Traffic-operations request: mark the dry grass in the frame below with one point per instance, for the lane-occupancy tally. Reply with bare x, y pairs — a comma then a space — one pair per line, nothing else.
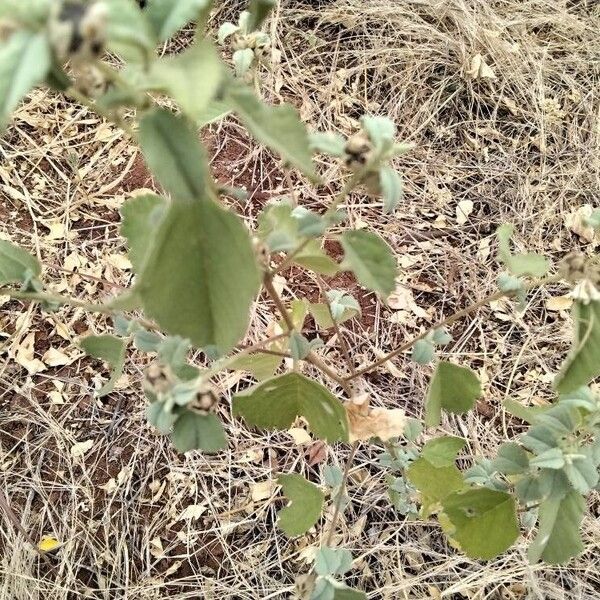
524, 148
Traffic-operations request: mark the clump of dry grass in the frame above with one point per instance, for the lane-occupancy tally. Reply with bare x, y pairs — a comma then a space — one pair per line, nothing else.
138, 521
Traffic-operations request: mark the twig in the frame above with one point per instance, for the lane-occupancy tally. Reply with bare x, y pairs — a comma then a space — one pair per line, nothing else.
449, 320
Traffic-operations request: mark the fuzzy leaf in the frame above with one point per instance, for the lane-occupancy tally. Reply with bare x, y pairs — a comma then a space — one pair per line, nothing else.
314, 258
442, 451
558, 538
391, 186
198, 431
200, 278
483, 521
192, 78
306, 504
278, 127
24, 62
452, 388
110, 349
130, 33
141, 217
277, 402
583, 363
371, 260
169, 16
511, 459
16, 265
173, 153
434, 483
262, 366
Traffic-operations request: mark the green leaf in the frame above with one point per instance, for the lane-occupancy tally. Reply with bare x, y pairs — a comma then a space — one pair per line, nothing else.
452, 388
173, 153
371, 260
391, 186
333, 476
225, 31
539, 439
147, 341
198, 431
242, 61
141, 217
333, 561
535, 265
278, 228
484, 522
423, 352
261, 366
552, 458
558, 538
110, 349
25, 60
594, 219
413, 429
528, 489
327, 142
169, 16
32, 13
130, 33
525, 413
381, 131
200, 277
16, 265
434, 483
161, 418
583, 363
299, 346
278, 127
306, 504
343, 592
314, 258
441, 337
215, 111
442, 451
511, 459
277, 402
258, 11
192, 78
582, 473
343, 307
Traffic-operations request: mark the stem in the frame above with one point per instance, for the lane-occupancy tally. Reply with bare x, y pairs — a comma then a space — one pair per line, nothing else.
340, 494
311, 357
67, 301
10, 513
338, 332
451, 319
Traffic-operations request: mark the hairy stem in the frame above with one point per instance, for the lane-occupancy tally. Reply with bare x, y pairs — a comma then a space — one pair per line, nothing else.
449, 320
339, 497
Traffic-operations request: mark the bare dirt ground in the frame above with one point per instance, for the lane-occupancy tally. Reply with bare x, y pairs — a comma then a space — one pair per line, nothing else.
502, 98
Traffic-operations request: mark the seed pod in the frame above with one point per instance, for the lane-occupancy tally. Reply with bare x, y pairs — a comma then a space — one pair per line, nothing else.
358, 151
157, 379
77, 30
206, 400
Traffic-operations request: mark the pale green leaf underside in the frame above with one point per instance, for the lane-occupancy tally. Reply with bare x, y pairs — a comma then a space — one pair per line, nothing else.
277, 402
169, 16
174, 155
306, 504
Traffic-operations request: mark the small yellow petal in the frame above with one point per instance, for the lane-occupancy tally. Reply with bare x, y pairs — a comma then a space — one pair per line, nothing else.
48, 544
